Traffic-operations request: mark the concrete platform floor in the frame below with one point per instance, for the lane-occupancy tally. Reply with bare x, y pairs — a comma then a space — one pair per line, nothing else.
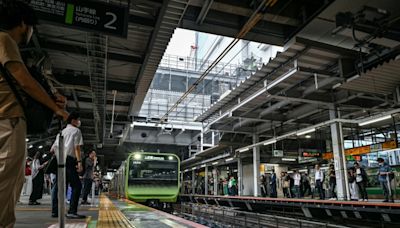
39, 216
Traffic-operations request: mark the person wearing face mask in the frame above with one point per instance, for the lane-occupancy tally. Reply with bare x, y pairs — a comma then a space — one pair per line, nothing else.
17, 20
385, 175
73, 166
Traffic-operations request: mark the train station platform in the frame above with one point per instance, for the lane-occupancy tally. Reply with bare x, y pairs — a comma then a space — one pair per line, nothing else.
105, 212
373, 210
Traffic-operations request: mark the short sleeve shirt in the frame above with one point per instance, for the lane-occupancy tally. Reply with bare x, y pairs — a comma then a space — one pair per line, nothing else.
72, 138
9, 52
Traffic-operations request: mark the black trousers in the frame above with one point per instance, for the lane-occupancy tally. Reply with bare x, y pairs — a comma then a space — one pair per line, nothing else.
37, 187
75, 183
362, 188
87, 186
318, 185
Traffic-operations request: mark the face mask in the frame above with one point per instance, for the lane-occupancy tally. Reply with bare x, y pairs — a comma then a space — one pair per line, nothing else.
78, 124
27, 35
380, 164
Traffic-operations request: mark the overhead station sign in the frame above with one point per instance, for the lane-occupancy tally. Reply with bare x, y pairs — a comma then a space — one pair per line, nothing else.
99, 16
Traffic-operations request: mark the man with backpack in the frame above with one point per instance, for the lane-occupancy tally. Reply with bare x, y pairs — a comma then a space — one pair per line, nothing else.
88, 165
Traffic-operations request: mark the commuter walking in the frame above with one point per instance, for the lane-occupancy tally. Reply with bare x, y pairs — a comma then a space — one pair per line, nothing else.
72, 143
37, 179
17, 19
319, 181
285, 185
385, 176
297, 183
361, 180
90, 163
272, 185
332, 182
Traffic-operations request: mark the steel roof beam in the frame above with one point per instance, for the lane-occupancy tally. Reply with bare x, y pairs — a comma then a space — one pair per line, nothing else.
62, 47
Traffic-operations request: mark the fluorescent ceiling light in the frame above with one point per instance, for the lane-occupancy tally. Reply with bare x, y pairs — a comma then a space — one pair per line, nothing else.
289, 159
228, 159
244, 150
248, 99
308, 136
281, 78
185, 170
26, 140
270, 142
303, 132
202, 166
375, 120
40, 147
30, 146
193, 168
132, 124
214, 163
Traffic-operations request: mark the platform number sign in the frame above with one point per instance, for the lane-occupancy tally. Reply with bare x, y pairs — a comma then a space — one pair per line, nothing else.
88, 15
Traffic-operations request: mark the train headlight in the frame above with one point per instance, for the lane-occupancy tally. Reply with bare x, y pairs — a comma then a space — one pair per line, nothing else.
170, 158
137, 156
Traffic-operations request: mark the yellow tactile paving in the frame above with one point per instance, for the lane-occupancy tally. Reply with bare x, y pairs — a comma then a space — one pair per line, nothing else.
110, 216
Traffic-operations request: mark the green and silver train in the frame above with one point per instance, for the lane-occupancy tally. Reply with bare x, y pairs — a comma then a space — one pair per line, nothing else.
149, 178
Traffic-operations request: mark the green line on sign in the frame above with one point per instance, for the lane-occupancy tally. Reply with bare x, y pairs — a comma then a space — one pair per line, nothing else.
69, 17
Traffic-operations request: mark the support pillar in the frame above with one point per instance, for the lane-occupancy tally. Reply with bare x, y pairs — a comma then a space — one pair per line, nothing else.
240, 176
215, 176
342, 187
193, 183
256, 166
206, 180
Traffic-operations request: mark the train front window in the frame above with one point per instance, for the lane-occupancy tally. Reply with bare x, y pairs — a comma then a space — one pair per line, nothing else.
150, 169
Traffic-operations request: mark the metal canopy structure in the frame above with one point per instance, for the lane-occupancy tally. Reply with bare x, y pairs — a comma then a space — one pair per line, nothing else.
106, 78
315, 75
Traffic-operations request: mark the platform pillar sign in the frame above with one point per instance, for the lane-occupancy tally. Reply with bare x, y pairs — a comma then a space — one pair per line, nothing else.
342, 189
206, 180
256, 166
96, 16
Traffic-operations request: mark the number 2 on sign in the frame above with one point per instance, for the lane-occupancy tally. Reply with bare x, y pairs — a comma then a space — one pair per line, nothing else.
109, 25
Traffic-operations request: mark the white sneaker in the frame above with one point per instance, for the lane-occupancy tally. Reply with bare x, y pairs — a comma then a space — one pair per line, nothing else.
366, 200
360, 200
332, 199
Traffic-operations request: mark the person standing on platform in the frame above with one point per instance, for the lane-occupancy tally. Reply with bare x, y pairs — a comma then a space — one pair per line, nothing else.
272, 184
385, 176
352, 184
297, 183
37, 179
73, 165
361, 181
90, 163
306, 185
17, 20
319, 181
332, 182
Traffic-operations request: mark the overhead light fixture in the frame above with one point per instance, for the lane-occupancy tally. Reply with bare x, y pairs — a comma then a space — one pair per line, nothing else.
137, 156
132, 125
214, 163
30, 146
269, 142
250, 98
228, 159
40, 147
194, 168
202, 166
26, 140
244, 149
308, 136
281, 78
303, 132
375, 120
289, 159
170, 158
185, 170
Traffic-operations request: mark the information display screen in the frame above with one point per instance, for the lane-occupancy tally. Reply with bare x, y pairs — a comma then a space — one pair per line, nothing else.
89, 15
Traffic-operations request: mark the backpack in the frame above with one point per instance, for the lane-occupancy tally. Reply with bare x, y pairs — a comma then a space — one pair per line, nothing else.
38, 117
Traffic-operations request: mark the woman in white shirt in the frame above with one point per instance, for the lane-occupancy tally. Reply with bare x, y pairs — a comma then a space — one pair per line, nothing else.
37, 179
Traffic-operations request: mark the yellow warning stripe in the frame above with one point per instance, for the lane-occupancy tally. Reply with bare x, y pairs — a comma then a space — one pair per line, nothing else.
110, 215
